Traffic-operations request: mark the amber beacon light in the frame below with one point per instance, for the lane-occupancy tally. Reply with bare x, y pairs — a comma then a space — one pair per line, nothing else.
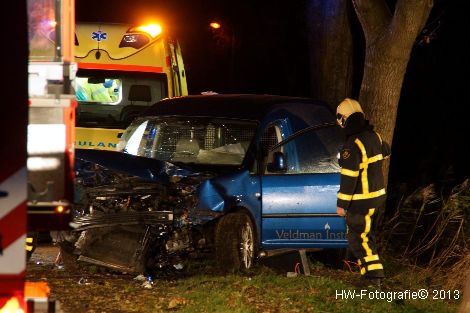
215, 25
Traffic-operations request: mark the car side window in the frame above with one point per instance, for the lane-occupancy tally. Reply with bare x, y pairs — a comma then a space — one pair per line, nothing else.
271, 137
310, 153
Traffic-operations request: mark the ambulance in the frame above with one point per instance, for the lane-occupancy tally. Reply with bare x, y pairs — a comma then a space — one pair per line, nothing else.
122, 70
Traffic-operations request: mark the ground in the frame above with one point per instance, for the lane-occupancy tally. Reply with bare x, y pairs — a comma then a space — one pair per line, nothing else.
200, 287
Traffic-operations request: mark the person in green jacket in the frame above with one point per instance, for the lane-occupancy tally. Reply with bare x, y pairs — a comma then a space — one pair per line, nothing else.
100, 92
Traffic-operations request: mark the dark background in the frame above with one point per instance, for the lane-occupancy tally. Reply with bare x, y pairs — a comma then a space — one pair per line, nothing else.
262, 47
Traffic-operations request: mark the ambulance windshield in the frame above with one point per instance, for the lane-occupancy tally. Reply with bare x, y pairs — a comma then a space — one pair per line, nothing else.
111, 99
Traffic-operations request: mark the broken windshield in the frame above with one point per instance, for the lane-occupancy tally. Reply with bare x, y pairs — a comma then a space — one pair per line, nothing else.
189, 139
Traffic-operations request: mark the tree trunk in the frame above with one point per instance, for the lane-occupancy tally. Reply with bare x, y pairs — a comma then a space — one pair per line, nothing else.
389, 40
330, 45
465, 304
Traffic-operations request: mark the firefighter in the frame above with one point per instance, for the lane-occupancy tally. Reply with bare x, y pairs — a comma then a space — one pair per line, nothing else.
362, 189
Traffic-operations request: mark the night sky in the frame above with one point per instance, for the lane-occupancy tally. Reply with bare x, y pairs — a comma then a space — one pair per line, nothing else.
270, 55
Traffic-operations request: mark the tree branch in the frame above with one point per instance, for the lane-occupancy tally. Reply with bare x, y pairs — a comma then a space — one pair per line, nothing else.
410, 17
374, 16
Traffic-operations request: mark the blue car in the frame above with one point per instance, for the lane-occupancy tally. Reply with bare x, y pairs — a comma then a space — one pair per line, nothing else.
234, 176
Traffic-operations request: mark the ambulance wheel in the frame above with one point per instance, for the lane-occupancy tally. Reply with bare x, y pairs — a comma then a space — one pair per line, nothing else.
235, 242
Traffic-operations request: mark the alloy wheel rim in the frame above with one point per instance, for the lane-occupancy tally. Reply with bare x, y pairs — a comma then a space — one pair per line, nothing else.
247, 245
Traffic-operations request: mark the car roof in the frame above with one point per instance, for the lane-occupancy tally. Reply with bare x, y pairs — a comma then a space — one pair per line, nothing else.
239, 106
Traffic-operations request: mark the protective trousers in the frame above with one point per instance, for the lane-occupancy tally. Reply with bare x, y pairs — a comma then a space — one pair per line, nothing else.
361, 240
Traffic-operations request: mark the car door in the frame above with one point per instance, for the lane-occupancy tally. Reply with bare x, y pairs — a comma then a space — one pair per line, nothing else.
299, 194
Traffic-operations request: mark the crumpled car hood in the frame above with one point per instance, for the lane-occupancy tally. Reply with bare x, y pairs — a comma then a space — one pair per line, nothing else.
145, 168
214, 193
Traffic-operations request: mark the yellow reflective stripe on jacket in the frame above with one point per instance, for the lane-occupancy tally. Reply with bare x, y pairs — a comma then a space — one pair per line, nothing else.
371, 258
344, 197
364, 180
349, 172
374, 267
373, 159
361, 196
378, 135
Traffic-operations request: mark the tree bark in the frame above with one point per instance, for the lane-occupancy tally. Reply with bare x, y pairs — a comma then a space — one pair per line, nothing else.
330, 45
465, 304
389, 41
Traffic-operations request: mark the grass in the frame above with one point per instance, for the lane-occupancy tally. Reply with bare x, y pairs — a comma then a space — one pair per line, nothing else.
201, 288
266, 291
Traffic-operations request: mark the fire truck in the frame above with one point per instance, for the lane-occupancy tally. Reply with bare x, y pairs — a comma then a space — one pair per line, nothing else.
52, 105
37, 174
122, 70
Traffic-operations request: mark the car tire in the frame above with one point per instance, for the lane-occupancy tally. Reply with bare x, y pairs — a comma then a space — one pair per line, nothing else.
235, 242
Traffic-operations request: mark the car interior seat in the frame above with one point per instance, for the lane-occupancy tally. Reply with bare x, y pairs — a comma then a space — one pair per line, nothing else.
187, 147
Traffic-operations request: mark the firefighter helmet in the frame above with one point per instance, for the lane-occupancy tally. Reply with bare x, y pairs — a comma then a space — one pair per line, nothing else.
345, 109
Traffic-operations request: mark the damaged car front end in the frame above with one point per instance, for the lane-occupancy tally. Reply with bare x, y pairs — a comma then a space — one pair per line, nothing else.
151, 204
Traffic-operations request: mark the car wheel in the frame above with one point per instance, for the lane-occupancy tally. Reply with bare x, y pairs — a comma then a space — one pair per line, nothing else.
235, 242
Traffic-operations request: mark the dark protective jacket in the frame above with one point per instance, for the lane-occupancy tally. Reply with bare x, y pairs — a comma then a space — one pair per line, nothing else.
362, 181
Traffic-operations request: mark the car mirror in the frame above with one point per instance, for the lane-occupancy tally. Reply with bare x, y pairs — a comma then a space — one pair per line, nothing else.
279, 164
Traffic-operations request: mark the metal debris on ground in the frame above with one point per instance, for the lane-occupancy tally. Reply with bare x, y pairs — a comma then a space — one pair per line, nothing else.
178, 266
147, 285
140, 277
83, 281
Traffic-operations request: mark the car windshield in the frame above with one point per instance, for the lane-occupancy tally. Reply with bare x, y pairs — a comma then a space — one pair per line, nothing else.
189, 139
